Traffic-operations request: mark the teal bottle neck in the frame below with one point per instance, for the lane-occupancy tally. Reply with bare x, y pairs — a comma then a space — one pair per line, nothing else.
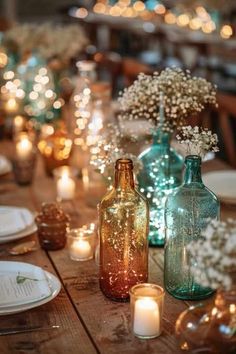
161, 137
193, 170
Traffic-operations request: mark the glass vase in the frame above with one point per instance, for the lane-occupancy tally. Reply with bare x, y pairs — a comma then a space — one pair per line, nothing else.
123, 229
187, 214
209, 328
161, 174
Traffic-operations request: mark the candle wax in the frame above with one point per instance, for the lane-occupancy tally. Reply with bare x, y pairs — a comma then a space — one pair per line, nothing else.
146, 318
81, 250
24, 148
65, 187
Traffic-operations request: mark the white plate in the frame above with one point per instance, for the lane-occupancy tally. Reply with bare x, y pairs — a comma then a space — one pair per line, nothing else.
28, 231
54, 283
223, 184
14, 220
5, 165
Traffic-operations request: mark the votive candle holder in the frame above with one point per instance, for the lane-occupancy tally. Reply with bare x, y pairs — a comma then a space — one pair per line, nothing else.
147, 302
81, 243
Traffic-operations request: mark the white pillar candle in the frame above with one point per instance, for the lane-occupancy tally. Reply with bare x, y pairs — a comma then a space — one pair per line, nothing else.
80, 250
24, 148
65, 187
146, 318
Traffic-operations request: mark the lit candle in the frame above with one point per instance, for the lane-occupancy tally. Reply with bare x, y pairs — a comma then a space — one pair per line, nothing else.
146, 318
81, 250
65, 187
146, 301
18, 124
11, 105
24, 148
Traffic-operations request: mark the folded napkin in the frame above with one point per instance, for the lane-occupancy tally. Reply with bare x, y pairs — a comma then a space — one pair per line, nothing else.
19, 288
13, 220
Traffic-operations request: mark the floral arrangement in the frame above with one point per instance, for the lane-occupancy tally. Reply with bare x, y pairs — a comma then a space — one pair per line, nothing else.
49, 40
214, 255
108, 150
197, 140
182, 95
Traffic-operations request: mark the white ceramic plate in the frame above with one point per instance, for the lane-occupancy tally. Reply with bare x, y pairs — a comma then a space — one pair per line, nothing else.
21, 267
223, 184
28, 231
14, 220
5, 165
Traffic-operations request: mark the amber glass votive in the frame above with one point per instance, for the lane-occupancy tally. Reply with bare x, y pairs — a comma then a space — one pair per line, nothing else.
52, 225
147, 302
81, 243
23, 169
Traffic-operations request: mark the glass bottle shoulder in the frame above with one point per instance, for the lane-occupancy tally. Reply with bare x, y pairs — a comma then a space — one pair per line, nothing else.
127, 198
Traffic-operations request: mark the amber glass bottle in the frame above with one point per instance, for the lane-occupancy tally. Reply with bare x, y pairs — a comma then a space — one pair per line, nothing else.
123, 230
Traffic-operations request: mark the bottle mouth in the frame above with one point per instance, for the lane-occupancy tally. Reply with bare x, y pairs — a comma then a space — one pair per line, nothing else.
124, 164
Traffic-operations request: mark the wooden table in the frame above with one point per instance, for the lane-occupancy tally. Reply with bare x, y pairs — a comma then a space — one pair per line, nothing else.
89, 322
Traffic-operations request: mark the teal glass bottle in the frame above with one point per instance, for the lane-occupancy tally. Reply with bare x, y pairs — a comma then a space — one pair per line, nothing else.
187, 214
160, 175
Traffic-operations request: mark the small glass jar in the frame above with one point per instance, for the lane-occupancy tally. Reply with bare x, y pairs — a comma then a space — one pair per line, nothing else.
65, 182
81, 243
23, 170
147, 302
24, 159
52, 224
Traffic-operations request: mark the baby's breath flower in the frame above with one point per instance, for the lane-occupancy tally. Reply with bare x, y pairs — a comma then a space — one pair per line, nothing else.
214, 255
182, 95
197, 140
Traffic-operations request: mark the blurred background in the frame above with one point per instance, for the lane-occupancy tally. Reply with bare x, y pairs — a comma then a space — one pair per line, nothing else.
122, 38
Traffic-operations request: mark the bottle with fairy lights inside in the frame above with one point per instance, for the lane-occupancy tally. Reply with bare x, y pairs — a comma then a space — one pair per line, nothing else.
123, 232
81, 103
160, 176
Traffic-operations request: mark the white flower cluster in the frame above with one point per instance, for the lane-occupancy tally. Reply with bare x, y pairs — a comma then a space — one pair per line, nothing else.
49, 40
214, 256
197, 140
182, 95
108, 150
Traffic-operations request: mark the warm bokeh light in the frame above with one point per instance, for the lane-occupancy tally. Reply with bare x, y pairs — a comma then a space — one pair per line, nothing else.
3, 60
139, 6
226, 31
183, 20
170, 18
195, 23
160, 9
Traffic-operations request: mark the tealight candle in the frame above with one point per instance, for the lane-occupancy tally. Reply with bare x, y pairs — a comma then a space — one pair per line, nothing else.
81, 243
18, 124
146, 309
65, 187
24, 147
80, 249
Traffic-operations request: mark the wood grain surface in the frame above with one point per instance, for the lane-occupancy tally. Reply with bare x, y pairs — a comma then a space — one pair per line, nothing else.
89, 322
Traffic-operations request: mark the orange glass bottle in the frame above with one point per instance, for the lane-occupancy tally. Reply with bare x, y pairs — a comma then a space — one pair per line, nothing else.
123, 230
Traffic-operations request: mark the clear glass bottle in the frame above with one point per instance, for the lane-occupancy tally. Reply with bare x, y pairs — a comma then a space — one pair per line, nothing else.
161, 174
123, 229
81, 103
209, 328
187, 214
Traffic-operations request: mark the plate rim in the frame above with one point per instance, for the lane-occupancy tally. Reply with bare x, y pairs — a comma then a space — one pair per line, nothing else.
223, 197
55, 291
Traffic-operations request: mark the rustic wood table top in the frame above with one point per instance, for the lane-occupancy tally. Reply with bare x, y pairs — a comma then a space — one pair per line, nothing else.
89, 322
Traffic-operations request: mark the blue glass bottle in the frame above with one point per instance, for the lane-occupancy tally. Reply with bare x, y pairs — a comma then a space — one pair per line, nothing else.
160, 175
187, 213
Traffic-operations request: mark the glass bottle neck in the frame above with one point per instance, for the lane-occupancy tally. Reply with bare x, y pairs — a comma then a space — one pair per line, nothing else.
124, 180
161, 137
193, 169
